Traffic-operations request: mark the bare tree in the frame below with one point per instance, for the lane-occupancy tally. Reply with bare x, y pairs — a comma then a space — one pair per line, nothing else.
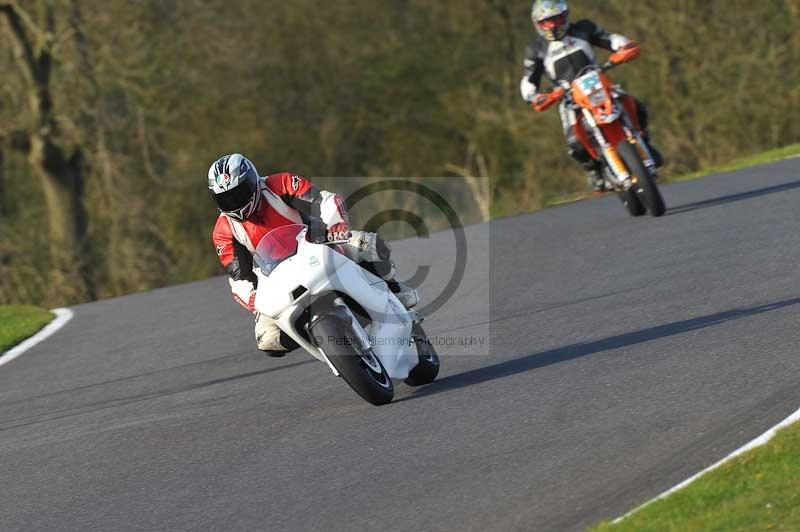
2, 179
478, 186
59, 168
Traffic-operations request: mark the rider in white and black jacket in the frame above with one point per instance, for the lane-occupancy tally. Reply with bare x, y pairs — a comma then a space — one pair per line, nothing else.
562, 50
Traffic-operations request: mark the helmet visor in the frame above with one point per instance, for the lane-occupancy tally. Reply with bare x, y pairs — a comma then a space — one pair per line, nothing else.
552, 22
236, 200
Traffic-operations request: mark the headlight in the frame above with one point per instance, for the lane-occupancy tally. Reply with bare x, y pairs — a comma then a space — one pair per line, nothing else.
597, 98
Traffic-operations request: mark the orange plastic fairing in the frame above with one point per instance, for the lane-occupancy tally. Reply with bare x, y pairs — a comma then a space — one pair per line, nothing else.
545, 100
583, 136
630, 108
614, 133
629, 52
583, 99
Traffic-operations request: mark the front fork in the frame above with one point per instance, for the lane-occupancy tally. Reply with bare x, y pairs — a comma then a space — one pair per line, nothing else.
609, 150
644, 151
635, 137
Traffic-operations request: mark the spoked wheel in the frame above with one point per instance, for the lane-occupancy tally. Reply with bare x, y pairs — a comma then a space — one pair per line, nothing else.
360, 368
644, 184
427, 368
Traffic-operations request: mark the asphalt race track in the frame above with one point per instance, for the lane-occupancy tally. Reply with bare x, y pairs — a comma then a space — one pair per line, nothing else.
626, 355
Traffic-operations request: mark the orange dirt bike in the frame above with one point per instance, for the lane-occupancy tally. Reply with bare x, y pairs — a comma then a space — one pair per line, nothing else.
608, 128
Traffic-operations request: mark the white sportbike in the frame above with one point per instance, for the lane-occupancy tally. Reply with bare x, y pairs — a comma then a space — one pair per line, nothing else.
341, 314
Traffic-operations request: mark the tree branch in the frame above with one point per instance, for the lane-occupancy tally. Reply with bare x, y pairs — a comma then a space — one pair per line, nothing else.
16, 139
20, 37
26, 18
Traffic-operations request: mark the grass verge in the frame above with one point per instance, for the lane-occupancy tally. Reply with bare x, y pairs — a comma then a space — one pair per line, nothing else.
759, 490
766, 157
19, 322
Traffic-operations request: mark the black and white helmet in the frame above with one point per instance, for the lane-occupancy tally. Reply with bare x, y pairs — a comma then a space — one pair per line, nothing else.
551, 18
233, 182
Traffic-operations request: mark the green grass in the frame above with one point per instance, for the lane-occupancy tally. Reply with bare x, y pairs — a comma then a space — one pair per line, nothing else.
19, 322
759, 490
766, 157
770, 156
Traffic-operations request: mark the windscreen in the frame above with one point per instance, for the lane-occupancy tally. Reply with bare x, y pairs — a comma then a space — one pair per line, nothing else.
277, 246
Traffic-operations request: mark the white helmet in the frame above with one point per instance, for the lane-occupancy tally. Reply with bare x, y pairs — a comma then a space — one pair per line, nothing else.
551, 18
233, 182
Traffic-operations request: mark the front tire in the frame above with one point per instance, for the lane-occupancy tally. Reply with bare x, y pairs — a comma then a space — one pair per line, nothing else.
427, 368
644, 184
631, 202
360, 369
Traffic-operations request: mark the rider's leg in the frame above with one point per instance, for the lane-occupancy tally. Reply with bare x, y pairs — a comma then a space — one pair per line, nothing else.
374, 254
594, 170
270, 339
577, 151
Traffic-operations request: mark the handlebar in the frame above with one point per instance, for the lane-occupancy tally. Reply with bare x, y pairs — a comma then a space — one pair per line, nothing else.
318, 233
559, 92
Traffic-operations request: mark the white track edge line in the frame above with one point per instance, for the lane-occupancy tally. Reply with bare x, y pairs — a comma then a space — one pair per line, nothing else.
63, 315
758, 442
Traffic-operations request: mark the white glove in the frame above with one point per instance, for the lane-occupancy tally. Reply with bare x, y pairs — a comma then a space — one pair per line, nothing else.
618, 41
244, 293
528, 90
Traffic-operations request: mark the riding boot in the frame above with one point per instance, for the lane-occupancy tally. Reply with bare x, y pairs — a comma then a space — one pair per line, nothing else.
594, 175
374, 255
387, 271
407, 295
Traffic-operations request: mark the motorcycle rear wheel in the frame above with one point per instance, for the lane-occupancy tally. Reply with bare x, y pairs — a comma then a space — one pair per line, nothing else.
427, 368
360, 369
644, 186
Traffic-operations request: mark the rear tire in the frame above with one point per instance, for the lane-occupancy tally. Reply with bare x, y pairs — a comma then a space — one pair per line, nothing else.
427, 368
361, 370
644, 186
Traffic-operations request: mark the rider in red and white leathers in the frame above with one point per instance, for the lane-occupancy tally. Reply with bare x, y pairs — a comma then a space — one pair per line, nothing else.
251, 206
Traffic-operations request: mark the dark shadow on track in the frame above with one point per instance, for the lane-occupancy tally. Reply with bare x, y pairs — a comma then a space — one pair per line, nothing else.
733, 198
571, 352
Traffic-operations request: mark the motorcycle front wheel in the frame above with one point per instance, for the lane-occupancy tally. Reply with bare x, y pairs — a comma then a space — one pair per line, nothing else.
644, 186
359, 368
631, 202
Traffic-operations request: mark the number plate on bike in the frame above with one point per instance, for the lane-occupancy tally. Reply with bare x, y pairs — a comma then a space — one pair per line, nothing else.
589, 82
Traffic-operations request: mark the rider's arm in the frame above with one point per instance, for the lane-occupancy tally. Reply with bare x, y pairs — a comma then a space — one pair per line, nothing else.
302, 195
238, 262
600, 37
532, 72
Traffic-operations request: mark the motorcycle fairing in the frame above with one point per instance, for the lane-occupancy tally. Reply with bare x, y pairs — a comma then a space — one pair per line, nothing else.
593, 91
321, 270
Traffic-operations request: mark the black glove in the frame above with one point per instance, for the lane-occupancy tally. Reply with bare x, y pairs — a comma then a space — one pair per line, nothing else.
317, 231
